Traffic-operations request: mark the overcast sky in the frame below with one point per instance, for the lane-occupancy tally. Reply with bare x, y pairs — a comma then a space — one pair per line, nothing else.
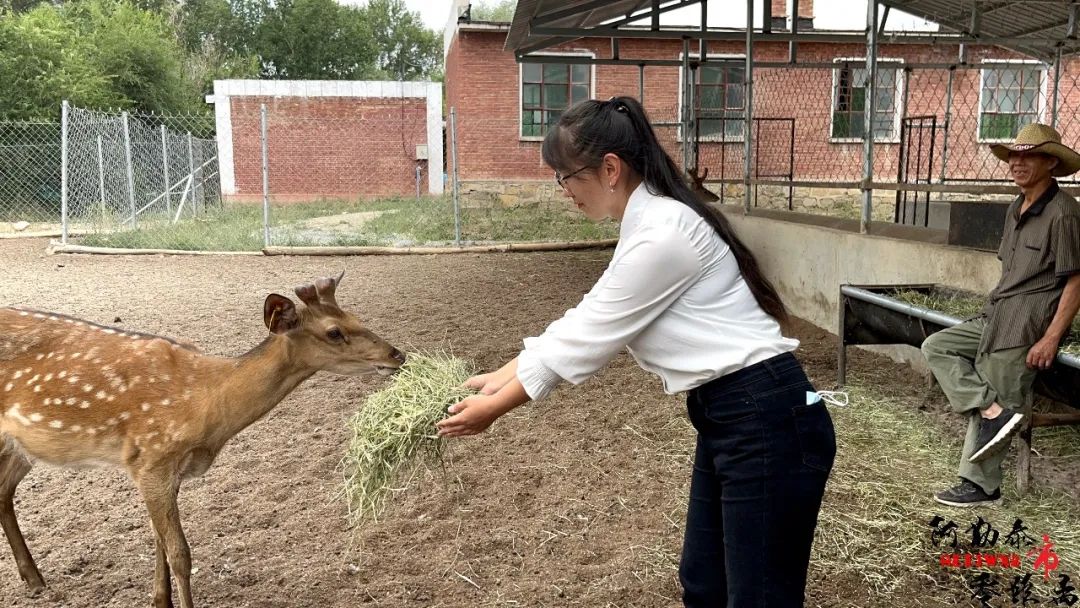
828, 14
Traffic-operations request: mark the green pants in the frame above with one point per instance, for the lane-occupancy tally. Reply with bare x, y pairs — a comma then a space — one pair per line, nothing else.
973, 381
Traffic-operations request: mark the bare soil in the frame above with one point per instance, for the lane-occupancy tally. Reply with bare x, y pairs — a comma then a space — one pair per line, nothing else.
575, 501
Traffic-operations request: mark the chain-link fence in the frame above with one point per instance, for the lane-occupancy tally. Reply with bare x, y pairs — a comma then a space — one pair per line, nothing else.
933, 124
29, 177
133, 179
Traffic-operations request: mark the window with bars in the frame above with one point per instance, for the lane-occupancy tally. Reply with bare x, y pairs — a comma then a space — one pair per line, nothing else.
721, 103
547, 90
849, 102
1009, 99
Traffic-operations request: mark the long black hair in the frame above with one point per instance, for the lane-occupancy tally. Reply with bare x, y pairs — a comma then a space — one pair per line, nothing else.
619, 126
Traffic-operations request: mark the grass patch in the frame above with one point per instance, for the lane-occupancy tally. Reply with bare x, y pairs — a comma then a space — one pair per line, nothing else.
393, 434
401, 222
874, 525
964, 305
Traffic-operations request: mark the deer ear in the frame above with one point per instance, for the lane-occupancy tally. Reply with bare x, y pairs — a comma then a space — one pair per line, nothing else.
279, 314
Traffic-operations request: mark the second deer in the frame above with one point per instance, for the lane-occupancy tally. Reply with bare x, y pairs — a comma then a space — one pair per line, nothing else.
76, 393
697, 185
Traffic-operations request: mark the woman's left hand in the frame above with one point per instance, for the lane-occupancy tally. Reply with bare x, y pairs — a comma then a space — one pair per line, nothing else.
471, 416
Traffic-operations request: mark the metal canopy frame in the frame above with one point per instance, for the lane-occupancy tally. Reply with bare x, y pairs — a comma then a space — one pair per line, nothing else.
1047, 30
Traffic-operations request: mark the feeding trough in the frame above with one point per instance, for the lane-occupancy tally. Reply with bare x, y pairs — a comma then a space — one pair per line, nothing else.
873, 315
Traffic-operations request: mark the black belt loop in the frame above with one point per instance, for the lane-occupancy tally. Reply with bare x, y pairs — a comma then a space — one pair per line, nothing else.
769, 365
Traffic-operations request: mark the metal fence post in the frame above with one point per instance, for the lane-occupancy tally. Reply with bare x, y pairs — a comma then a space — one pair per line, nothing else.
266, 180
948, 123
130, 170
196, 192
101, 174
748, 126
453, 158
165, 167
64, 109
868, 115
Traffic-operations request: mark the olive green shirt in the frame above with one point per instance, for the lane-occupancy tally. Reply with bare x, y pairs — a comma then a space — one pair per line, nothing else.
1038, 252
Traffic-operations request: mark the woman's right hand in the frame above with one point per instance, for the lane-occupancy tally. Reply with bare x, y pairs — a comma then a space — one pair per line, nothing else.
490, 383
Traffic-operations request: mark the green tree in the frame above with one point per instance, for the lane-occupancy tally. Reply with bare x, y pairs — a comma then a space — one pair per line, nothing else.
501, 11
43, 61
406, 49
139, 52
315, 39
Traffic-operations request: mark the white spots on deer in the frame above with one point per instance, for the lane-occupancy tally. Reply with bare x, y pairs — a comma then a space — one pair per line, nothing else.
40, 356
18, 374
36, 417
145, 407
23, 313
76, 355
38, 315
71, 401
56, 424
37, 388
16, 415
48, 377
125, 415
165, 401
101, 395
8, 387
33, 380
84, 404
62, 374
75, 428
87, 388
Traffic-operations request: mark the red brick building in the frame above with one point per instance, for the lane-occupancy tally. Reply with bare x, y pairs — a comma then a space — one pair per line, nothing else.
810, 120
329, 139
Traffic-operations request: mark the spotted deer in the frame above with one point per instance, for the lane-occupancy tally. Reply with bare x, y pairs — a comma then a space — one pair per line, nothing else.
697, 185
76, 393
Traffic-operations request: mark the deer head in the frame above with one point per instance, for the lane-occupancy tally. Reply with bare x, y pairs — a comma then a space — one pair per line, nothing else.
697, 185
327, 337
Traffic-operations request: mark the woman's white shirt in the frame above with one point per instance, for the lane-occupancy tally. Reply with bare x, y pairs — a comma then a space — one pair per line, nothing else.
672, 295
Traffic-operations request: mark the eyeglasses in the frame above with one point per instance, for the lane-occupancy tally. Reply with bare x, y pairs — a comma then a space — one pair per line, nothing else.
561, 179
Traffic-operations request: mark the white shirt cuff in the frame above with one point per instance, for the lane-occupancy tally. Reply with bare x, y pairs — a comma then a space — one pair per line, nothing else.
535, 377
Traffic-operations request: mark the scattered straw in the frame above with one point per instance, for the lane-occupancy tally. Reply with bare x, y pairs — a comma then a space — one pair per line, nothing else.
394, 431
873, 528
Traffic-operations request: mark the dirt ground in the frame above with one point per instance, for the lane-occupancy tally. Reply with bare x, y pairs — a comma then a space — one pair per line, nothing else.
569, 502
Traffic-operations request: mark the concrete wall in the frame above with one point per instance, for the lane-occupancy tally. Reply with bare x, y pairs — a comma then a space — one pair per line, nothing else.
809, 263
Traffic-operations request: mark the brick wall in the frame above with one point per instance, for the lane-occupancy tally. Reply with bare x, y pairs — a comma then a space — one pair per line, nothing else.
329, 147
483, 86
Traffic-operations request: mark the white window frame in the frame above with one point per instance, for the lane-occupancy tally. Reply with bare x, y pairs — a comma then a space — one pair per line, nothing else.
1040, 100
521, 88
723, 137
900, 92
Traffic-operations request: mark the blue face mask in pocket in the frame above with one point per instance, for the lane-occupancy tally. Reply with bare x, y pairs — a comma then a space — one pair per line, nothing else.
812, 397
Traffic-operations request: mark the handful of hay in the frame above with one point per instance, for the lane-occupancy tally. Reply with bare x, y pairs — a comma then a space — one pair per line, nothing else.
394, 431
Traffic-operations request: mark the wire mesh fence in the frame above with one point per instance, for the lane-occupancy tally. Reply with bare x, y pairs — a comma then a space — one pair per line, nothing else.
140, 180
932, 124
29, 177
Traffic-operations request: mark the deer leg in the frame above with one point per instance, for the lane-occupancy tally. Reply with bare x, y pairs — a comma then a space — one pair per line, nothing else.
173, 551
162, 582
13, 467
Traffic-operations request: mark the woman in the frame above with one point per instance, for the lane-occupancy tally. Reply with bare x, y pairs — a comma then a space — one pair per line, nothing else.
688, 300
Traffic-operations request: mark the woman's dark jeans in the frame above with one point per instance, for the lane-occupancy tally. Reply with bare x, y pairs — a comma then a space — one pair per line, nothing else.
762, 460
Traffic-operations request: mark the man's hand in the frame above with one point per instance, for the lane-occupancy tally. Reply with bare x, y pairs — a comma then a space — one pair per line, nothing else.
1043, 353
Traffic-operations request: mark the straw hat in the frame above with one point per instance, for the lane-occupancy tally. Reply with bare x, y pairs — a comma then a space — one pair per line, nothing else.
1046, 140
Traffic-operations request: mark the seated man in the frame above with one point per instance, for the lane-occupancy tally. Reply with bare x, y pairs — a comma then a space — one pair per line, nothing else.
987, 365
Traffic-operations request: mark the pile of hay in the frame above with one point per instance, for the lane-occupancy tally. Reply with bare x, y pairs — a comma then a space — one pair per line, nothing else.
394, 431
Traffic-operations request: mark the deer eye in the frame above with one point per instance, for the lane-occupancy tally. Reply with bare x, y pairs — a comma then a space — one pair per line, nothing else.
335, 335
